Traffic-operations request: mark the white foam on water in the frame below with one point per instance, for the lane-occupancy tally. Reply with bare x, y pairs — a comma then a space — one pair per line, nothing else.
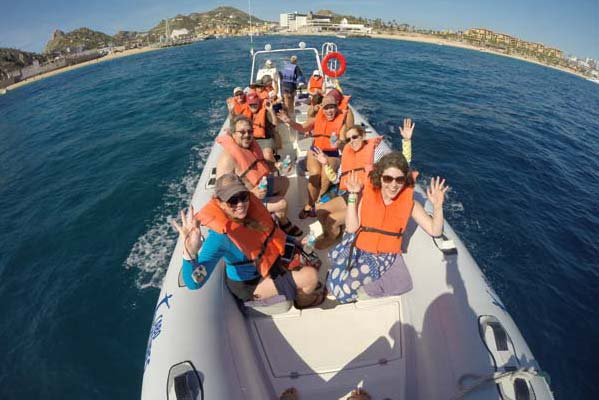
152, 251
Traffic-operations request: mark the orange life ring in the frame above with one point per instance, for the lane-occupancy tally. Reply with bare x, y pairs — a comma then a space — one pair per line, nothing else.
337, 56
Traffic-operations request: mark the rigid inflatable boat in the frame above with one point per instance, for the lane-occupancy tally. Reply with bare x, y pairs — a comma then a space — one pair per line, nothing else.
450, 337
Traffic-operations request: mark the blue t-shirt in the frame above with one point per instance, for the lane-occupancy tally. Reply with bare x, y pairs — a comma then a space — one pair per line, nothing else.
215, 247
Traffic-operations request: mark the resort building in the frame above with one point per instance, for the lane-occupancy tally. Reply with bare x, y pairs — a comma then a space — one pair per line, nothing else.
293, 21
309, 23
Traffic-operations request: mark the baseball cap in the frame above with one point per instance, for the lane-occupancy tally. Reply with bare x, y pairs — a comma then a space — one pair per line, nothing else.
227, 186
328, 100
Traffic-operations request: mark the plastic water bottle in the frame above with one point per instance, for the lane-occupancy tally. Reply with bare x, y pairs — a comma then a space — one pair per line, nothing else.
263, 183
309, 246
333, 139
286, 164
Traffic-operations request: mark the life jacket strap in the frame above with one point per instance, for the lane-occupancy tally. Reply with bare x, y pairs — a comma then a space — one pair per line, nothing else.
258, 258
249, 168
367, 229
355, 169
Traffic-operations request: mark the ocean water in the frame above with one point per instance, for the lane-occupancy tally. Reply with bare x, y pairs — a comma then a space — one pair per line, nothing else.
94, 163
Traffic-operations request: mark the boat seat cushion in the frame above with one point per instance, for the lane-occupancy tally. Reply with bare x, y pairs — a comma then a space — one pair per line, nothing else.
395, 281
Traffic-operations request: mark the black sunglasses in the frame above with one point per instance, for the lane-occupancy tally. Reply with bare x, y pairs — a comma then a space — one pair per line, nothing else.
399, 179
246, 132
238, 198
354, 137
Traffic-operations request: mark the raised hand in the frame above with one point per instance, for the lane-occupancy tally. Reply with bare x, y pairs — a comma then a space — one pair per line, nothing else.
436, 191
189, 232
408, 128
230, 104
319, 155
353, 182
283, 116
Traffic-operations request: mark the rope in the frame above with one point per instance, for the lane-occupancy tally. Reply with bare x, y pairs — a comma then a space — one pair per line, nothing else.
495, 378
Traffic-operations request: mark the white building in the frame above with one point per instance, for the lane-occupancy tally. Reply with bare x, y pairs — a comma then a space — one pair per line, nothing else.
176, 33
358, 28
293, 21
311, 22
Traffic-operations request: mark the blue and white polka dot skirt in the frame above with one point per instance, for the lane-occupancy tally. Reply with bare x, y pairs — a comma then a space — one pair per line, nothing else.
365, 268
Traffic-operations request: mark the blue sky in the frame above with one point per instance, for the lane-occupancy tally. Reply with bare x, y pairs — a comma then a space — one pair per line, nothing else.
572, 26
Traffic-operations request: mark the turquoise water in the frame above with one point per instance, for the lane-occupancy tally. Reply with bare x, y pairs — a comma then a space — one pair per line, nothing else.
95, 161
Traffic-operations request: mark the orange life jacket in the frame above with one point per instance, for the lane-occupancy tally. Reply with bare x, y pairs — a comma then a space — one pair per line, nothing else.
344, 103
315, 84
263, 92
361, 161
249, 161
323, 129
261, 247
382, 226
259, 123
240, 108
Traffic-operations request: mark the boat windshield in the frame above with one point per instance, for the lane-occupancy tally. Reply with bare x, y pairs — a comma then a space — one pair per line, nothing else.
308, 60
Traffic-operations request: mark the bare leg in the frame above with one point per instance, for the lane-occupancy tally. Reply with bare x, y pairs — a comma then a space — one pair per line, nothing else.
269, 154
278, 207
332, 215
325, 184
306, 280
314, 181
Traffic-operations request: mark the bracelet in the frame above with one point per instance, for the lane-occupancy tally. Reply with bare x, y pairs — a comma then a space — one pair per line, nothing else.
351, 200
355, 193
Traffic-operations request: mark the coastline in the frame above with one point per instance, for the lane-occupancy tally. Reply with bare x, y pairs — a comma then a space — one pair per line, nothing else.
411, 37
83, 64
415, 37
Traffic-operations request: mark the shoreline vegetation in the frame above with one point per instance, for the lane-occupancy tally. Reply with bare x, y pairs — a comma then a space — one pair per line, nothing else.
411, 37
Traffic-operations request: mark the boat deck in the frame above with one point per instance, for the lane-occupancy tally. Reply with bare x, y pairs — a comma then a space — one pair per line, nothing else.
324, 351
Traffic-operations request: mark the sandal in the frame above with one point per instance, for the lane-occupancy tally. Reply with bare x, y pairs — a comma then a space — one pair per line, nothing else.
311, 213
319, 298
291, 230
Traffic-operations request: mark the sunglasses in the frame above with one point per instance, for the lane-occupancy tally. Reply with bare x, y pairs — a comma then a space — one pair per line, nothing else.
238, 198
354, 137
239, 94
399, 179
246, 132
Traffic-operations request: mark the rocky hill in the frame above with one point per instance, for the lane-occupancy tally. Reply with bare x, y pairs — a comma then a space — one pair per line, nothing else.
221, 18
77, 41
13, 59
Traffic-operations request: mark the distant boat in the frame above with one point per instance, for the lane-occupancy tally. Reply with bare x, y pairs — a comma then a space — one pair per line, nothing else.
341, 36
595, 80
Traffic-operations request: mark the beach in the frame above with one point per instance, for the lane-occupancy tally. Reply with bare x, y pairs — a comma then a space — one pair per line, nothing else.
83, 64
444, 42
